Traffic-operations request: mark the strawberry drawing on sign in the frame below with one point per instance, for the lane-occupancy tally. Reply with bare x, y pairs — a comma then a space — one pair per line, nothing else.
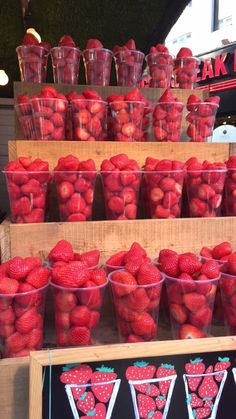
221, 365
203, 391
91, 394
151, 397
195, 366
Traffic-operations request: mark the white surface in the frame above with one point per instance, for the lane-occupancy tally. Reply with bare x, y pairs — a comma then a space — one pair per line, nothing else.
224, 133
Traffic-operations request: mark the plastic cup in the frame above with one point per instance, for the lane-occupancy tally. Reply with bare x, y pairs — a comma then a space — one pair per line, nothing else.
230, 193
49, 118
167, 119
133, 306
97, 63
185, 72
69, 123
121, 193
89, 119
25, 117
228, 295
201, 120
21, 322
111, 268
162, 193
160, 66
65, 64
32, 63
191, 304
70, 304
126, 121
129, 64
205, 190
146, 125
75, 194
27, 193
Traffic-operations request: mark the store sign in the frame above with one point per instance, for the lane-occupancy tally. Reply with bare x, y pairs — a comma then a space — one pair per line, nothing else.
221, 65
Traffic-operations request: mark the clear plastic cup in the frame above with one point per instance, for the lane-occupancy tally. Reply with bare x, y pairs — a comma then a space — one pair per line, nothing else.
32, 63
111, 268
191, 304
205, 190
69, 124
134, 305
228, 295
167, 119
185, 72
230, 193
89, 119
129, 64
25, 117
97, 63
160, 66
75, 194
201, 118
147, 125
126, 121
27, 193
162, 193
21, 322
49, 118
65, 64
77, 314
121, 193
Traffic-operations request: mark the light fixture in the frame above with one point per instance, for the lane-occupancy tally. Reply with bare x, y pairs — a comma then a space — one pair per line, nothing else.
224, 123
229, 117
35, 33
3, 78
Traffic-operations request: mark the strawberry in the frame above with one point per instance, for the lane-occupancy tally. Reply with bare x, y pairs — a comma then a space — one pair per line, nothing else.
195, 401
148, 274
169, 263
80, 316
222, 249
222, 365
101, 391
160, 402
61, 251
91, 257
76, 374
195, 366
188, 331
189, 263
178, 312
28, 321
34, 339
143, 325
7, 316
65, 301
8, 286
99, 412
79, 336
193, 301
38, 277
15, 343
19, 268
135, 251
123, 283
202, 412
140, 370
208, 387
86, 402
211, 269
98, 276
146, 406
73, 275
165, 370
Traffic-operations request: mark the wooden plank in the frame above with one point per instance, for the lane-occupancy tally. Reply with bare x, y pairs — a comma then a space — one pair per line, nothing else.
51, 151
4, 241
14, 379
232, 149
179, 234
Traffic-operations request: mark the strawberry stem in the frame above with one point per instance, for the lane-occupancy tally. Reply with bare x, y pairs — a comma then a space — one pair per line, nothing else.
103, 368
226, 359
161, 397
196, 360
68, 367
150, 414
91, 413
189, 398
168, 366
140, 364
83, 396
207, 398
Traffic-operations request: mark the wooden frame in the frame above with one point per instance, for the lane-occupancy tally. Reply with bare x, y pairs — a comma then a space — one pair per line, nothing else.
38, 360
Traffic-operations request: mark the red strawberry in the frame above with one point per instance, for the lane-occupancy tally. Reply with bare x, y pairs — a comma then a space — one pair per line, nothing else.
189, 263
148, 274
19, 268
28, 321
178, 312
7, 316
65, 301
86, 402
141, 370
61, 251
208, 387
169, 262
98, 276
152, 390
211, 269
202, 412
143, 325
8, 286
187, 331
15, 343
76, 374
194, 301
135, 251
117, 259
80, 316
99, 412
91, 257
195, 366
123, 283
165, 370
38, 277
34, 339
222, 249
222, 365
79, 336
160, 402
146, 406
195, 401
102, 374
72, 275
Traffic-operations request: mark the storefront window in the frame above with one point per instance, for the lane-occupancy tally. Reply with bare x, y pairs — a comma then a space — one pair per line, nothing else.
223, 13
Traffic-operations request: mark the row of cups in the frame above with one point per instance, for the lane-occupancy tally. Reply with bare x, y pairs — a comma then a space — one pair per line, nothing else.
56, 119
161, 194
131, 304
162, 67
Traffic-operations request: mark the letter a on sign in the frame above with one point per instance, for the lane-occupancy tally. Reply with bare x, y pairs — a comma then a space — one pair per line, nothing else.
207, 70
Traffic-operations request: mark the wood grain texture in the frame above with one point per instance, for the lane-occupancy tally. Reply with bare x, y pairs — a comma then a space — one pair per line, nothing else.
51, 151
179, 234
4, 241
232, 149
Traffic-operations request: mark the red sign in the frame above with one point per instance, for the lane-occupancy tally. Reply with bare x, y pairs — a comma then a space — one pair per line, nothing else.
217, 67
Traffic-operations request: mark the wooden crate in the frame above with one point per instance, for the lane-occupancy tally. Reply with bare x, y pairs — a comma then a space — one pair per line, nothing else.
4, 241
153, 94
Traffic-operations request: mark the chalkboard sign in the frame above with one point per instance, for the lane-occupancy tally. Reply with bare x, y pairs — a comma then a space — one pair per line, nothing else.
192, 379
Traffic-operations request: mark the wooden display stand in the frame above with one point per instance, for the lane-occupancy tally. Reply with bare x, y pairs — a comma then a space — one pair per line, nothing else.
108, 236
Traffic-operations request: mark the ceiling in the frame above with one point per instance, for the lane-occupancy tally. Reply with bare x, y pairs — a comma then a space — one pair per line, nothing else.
111, 21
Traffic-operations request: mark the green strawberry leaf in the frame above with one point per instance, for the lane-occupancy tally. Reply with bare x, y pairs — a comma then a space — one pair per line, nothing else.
148, 389
196, 360
103, 368
168, 366
194, 413
83, 396
161, 397
212, 407
91, 413
226, 359
68, 367
207, 398
150, 414
141, 364
189, 398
